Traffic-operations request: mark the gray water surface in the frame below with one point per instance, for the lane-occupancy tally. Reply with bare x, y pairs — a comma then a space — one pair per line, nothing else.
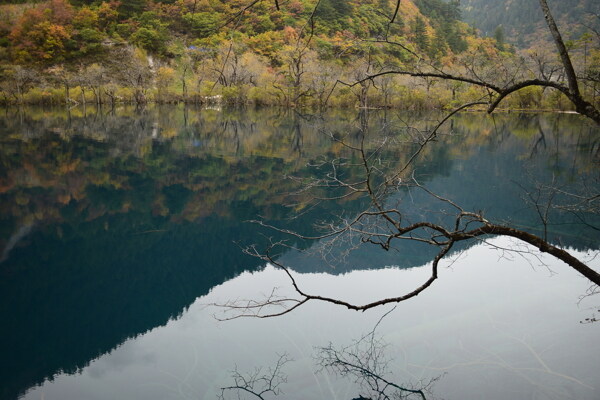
119, 229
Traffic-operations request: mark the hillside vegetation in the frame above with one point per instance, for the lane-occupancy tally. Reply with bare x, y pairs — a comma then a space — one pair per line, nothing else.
247, 52
522, 22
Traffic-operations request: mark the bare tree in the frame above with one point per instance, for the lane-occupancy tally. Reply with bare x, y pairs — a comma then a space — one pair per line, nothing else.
110, 90
567, 82
136, 74
322, 78
93, 77
17, 81
186, 67
383, 223
66, 79
295, 59
363, 68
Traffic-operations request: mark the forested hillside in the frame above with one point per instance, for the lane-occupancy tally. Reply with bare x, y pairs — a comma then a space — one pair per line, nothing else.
63, 30
522, 22
297, 53
136, 50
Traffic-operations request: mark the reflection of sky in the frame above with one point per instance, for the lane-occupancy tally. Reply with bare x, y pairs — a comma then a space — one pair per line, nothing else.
497, 327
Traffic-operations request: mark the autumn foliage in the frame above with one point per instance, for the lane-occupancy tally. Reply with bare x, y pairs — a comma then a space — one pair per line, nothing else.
259, 55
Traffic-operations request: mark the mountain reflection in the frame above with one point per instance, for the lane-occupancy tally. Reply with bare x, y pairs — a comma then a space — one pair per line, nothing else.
114, 223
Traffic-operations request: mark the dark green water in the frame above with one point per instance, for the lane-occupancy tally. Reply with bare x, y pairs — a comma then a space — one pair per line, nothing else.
113, 223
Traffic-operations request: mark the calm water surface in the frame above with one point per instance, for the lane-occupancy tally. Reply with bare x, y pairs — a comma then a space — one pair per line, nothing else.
119, 229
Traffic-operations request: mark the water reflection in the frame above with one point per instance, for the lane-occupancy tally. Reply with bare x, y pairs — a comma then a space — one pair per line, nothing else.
114, 223
503, 337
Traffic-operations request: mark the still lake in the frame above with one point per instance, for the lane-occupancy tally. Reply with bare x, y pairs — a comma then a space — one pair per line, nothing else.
120, 229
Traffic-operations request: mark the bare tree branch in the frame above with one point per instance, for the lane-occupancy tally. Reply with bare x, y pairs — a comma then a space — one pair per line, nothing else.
383, 225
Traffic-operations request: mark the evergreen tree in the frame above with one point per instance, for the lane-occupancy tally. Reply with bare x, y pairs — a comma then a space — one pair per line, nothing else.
499, 37
420, 31
438, 47
334, 10
129, 8
384, 6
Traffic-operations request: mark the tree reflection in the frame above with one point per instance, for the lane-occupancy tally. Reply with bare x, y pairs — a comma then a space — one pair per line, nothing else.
113, 222
365, 363
390, 181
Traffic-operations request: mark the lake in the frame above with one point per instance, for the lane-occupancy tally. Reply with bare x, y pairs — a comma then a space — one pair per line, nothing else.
123, 232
